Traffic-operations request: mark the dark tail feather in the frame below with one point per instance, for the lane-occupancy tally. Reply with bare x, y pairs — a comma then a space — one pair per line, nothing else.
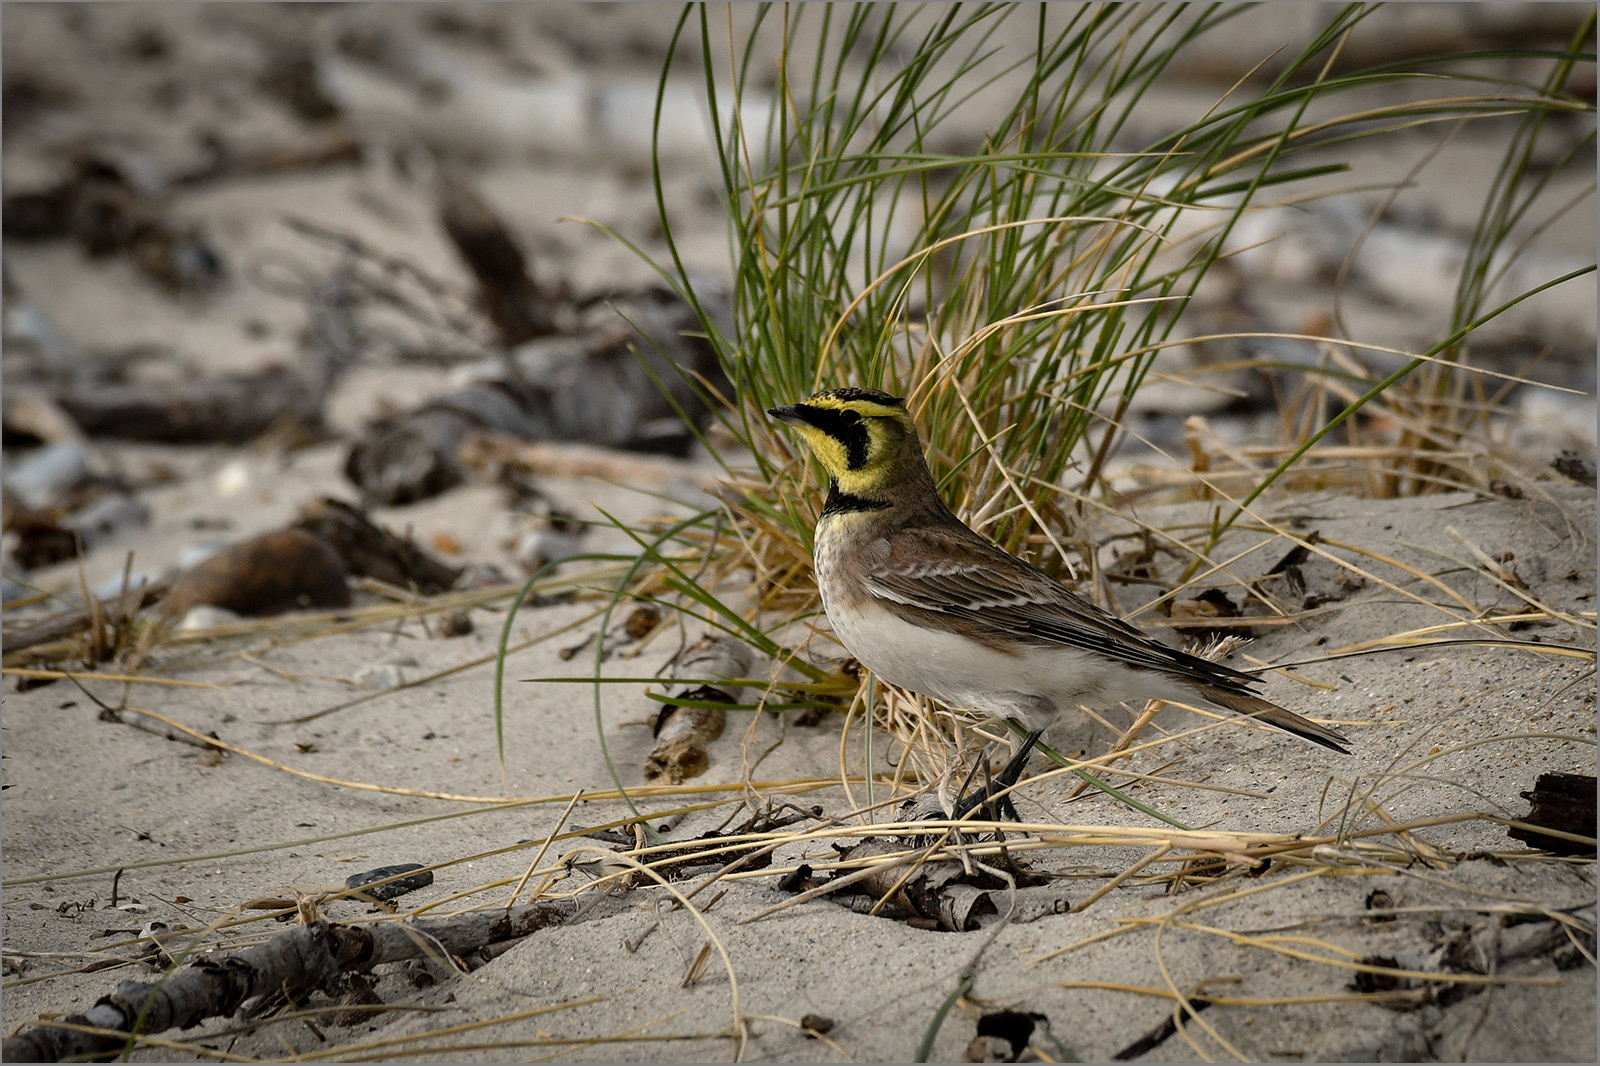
1272, 714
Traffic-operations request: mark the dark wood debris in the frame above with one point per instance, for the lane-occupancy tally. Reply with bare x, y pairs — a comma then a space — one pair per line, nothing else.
277, 571
1566, 803
370, 550
304, 959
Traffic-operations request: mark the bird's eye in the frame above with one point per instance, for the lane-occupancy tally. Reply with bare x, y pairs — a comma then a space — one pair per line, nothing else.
849, 418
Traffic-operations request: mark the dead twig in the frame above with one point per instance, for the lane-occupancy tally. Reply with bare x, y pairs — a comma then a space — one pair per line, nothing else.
301, 959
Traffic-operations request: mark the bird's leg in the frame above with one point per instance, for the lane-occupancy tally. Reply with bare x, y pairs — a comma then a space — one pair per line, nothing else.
1124, 741
1008, 776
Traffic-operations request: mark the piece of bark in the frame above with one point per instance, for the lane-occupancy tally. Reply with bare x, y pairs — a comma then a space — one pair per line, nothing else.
232, 409
1570, 464
41, 539
46, 537
1564, 802
107, 213
369, 550
393, 885
944, 895
515, 304
1164, 1029
684, 734
1003, 1035
303, 959
939, 893
274, 572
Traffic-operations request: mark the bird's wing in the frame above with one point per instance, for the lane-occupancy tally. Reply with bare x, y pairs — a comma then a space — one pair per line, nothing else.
939, 576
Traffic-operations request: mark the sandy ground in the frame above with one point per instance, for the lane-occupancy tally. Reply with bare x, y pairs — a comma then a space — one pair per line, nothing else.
88, 793
1436, 732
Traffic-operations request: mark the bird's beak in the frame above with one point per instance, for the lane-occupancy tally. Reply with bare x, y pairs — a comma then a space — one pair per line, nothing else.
793, 413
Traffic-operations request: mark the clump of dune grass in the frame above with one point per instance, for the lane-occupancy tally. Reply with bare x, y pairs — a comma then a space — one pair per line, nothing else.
1018, 286
1018, 289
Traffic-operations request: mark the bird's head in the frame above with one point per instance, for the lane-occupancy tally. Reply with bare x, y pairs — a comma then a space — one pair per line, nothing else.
864, 438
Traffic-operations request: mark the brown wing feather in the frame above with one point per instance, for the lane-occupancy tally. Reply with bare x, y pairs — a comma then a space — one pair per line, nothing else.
956, 580
997, 595
953, 578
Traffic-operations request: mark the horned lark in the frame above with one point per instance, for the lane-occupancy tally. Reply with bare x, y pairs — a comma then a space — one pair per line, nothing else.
929, 605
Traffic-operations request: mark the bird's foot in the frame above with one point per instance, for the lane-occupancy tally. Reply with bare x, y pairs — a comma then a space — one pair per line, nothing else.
994, 799
992, 802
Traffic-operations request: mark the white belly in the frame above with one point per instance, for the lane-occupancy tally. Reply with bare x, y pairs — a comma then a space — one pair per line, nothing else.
1032, 686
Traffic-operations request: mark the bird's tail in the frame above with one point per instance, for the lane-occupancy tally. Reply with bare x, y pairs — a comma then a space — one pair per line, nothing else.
1270, 713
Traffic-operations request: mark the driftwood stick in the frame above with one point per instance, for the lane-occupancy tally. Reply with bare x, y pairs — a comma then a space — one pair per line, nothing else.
212, 986
77, 619
567, 459
683, 734
305, 958
457, 934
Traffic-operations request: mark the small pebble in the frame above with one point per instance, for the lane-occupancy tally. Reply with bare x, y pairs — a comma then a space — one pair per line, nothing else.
394, 889
108, 515
41, 477
481, 576
539, 547
379, 677
233, 479
390, 673
206, 616
199, 553
453, 623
